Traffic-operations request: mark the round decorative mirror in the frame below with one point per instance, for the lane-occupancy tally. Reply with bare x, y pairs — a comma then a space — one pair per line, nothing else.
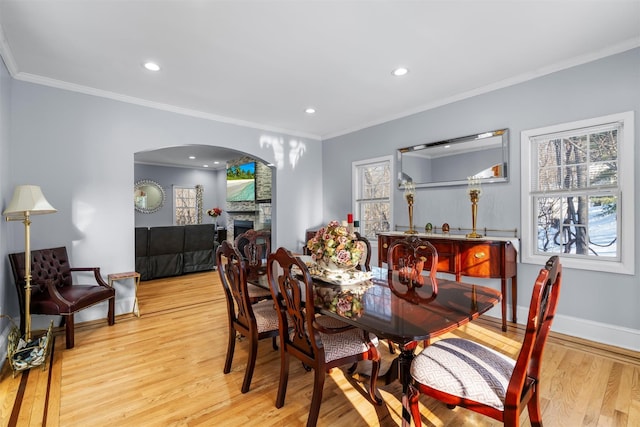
148, 196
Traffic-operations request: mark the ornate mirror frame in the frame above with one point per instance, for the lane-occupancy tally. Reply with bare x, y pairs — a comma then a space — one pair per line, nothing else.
148, 196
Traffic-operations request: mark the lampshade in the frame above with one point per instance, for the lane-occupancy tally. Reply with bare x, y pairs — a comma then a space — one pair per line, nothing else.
28, 198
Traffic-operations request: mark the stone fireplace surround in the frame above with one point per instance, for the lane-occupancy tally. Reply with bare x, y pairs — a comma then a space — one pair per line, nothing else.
234, 216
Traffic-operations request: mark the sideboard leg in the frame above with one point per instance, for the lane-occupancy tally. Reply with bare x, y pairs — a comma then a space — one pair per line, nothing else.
514, 299
503, 283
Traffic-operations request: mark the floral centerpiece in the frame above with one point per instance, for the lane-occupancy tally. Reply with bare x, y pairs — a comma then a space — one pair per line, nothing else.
336, 247
214, 212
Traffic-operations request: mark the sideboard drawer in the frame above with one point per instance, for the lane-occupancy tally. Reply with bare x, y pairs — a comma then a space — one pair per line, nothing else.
480, 260
446, 256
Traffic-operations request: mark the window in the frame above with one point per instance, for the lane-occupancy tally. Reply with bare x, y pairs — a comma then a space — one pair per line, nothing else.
185, 208
577, 191
372, 191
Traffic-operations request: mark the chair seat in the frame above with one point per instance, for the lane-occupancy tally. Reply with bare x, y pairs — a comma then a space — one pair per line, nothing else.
79, 296
465, 369
266, 316
258, 292
343, 344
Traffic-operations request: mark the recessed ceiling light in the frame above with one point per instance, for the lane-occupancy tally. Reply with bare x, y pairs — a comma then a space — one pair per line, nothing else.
216, 162
205, 166
151, 66
400, 71
310, 110
192, 157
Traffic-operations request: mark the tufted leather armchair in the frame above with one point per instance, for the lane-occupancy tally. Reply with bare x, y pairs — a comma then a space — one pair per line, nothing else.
53, 291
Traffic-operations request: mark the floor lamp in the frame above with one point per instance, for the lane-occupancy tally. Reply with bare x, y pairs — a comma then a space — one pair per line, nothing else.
27, 200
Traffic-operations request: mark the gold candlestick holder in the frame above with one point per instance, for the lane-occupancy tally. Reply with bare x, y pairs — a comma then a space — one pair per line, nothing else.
409, 193
474, 196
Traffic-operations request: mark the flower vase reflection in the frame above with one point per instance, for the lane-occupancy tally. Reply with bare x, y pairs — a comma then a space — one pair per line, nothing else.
344, 302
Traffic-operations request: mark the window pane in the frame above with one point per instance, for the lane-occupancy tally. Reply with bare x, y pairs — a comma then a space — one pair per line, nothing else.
577, 224
185, 206
373, 191
377, 218
375, 181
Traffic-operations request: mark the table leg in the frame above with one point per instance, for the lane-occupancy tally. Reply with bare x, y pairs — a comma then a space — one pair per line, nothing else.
405, 358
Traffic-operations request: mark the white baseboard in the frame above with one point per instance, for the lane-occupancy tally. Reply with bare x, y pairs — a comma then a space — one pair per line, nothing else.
604, 333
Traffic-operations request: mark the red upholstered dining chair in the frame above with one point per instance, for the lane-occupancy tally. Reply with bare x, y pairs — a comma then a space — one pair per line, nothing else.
53, 290
460, 372
319, 341
255, 321
254, 247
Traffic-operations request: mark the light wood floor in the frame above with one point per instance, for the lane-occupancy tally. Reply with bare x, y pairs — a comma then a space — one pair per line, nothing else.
165, 369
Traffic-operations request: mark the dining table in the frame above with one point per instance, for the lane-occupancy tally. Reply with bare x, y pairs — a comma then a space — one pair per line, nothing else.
383, 303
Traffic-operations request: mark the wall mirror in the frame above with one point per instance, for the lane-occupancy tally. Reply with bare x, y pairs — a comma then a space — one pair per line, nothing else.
451, 162
148, 196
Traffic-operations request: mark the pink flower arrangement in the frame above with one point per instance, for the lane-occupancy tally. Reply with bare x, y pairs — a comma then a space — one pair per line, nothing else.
334, 243
214, 212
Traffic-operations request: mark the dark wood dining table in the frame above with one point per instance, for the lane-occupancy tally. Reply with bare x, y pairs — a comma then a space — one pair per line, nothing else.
405, 315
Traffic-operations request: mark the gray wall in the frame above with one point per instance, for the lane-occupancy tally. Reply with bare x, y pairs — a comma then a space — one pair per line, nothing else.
80, 150
597, 306
8, 295
214, 194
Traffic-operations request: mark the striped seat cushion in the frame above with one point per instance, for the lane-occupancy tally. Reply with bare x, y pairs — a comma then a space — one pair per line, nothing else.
345, 343
465, 369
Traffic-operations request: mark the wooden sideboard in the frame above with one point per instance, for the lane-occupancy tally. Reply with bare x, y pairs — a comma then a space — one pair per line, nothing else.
487, 257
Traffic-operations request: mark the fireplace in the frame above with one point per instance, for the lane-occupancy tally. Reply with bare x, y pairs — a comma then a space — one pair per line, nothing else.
240, 226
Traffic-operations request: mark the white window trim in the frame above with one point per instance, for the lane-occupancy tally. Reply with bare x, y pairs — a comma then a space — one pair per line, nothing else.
354, 189
626, 157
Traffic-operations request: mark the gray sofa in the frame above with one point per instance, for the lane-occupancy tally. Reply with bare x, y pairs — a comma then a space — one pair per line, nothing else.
174, 250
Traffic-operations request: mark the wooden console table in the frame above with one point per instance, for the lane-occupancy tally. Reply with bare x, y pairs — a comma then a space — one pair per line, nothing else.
487, 257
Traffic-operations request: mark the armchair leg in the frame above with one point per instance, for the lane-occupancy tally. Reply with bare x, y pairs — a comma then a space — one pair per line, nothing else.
69, 328
112, 312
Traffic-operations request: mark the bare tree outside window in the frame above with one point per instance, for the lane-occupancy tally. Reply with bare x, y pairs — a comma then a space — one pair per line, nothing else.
576, 192
372, 188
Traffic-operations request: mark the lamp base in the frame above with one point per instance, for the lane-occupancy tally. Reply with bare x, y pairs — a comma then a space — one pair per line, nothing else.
473, 235
24, 355
411, 232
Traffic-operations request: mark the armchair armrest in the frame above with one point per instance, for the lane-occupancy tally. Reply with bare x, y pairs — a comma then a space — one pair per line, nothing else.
96, 273
53, 292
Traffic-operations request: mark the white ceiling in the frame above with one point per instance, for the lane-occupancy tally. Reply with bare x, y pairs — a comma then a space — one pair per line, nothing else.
260, 63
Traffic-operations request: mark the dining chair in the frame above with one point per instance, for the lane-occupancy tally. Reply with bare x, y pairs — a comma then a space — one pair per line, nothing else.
409, 258
461, 372
412, 256
254, 246
255, 321
321, 342
365, 262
